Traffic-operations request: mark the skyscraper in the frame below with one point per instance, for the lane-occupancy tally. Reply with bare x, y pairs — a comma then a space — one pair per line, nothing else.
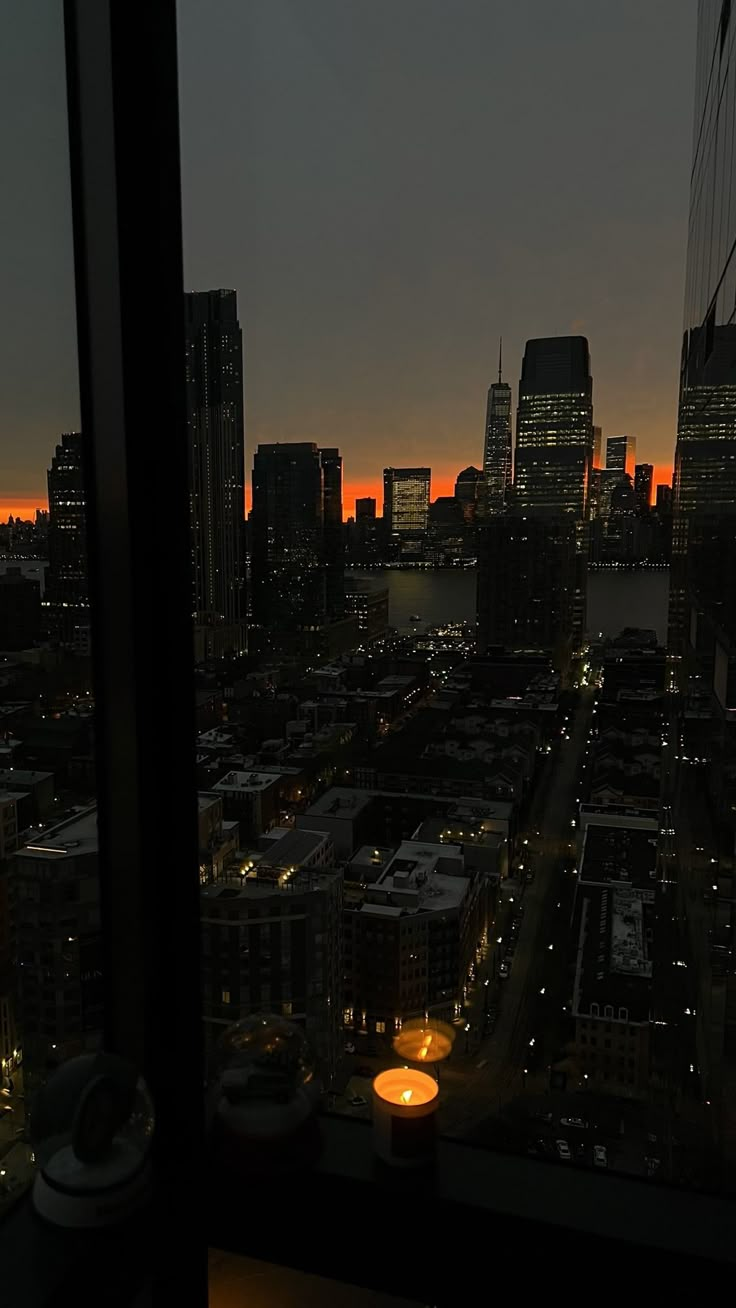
702, 621
214, 380
497, 444
333, 552
621, 454
554, 427
643, 478
406, 500
67, 593
297, 551
526, 584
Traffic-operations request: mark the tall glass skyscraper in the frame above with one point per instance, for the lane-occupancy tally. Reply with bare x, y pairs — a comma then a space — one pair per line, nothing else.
497, 447
621, 454
554, 427
296, 532
214, 379
705, 457
703, 572
67, 594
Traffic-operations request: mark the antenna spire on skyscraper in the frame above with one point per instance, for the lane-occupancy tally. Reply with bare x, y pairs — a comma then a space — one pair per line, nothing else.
500, 352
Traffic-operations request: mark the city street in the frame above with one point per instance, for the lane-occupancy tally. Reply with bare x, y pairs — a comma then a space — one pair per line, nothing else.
499, 1061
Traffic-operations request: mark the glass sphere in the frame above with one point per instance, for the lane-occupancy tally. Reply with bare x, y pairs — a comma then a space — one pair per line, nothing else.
92, 1123
263, 1057
262, 1083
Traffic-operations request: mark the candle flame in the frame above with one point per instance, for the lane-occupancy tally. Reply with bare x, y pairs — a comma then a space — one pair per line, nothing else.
406, 1096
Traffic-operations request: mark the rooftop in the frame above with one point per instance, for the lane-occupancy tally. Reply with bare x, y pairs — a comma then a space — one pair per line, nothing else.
293, 848
22, 776
614, 959
340, 802
419, 877
76, 836
246, 782
619, 853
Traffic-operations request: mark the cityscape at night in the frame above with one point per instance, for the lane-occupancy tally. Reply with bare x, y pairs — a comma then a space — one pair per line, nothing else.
449, 565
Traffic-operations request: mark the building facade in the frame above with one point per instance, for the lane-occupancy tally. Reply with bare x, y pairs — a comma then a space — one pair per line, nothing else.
67, 592
705, 455
54, 905
526, 584
621, 454
643, 481
272, 943
406, 500
216, 429
554, 428
297, 560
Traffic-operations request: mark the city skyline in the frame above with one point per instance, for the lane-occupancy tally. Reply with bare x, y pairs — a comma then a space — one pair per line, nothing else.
415, 343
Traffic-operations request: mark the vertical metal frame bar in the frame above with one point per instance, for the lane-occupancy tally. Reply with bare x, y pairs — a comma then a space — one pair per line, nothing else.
124, 148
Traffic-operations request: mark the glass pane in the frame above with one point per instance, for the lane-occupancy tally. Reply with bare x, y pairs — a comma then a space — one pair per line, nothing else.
458, 774
50, 967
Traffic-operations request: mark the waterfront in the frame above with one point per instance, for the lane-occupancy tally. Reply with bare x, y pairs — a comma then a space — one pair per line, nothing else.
616, 598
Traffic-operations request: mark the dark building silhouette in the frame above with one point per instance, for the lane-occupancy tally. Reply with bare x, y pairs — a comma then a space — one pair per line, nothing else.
297, 544
497, 444
366, 533
554, 427
470, 491
623, 498
526, 584
663, 502
67, 592
214, 381
20, 610
643, 479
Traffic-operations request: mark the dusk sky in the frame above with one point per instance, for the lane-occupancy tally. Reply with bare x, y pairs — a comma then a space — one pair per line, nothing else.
389, 186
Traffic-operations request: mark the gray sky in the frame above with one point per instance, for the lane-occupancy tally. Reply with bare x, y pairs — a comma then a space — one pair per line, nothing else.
389, 185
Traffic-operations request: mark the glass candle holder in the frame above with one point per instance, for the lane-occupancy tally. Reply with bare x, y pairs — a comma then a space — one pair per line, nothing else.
405, 1105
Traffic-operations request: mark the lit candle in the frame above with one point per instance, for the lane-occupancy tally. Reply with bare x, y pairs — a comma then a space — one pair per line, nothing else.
404, 1117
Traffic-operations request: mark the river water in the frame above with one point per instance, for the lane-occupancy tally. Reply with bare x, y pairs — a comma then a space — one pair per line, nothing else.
616, 599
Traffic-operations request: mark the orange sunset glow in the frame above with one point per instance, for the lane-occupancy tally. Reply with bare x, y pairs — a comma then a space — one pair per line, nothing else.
443, 483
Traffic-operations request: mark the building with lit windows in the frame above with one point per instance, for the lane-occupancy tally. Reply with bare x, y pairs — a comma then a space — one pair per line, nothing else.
413, 919
66, 599
704, 480
497, 445
554, 428
216, 429
272, 941
621, 454
406, 501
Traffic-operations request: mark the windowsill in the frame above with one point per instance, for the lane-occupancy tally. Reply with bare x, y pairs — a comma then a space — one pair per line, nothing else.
424, 1237
428, 1239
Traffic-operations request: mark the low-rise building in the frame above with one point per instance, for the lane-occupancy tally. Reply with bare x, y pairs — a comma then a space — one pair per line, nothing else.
56, 951
413, 920
250, 798
37, 789
218, 839
272, 942
612, 997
